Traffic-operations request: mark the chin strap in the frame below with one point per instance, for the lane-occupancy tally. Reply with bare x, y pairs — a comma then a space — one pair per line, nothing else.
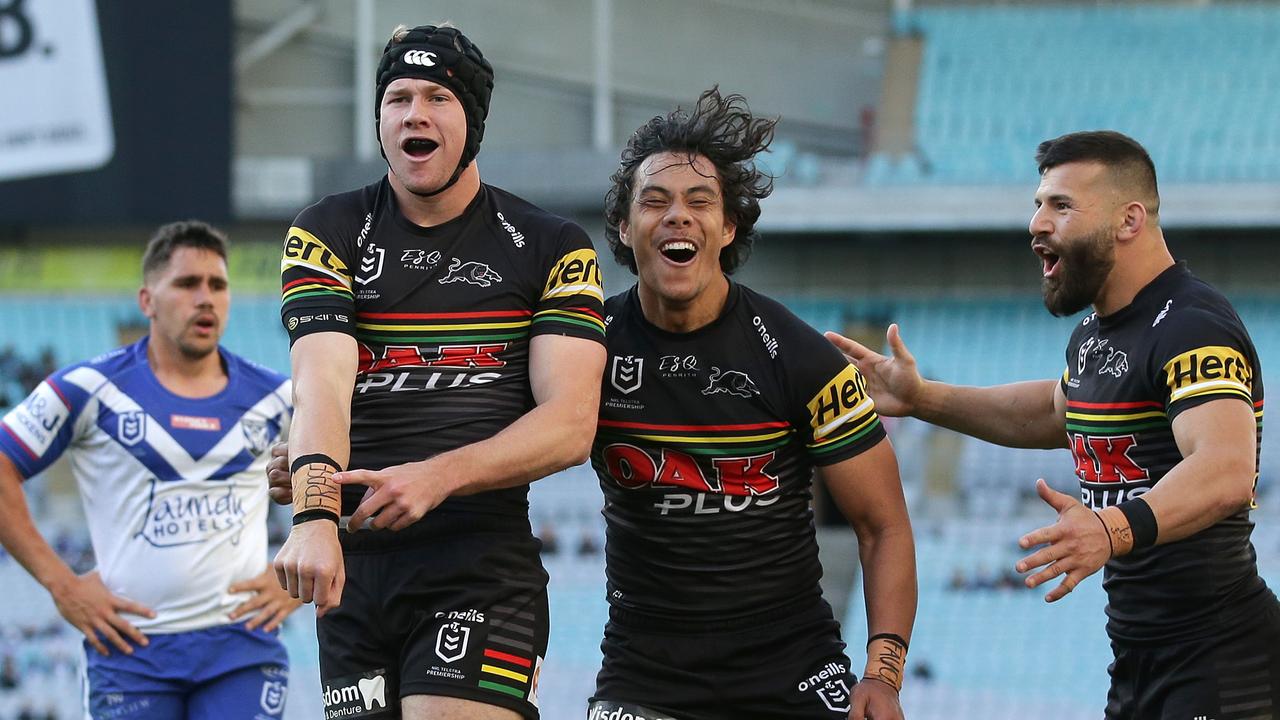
452, 179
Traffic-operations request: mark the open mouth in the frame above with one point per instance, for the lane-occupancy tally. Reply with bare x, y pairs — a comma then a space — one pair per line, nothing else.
419, 148
1050, 260
206, 324
679, 252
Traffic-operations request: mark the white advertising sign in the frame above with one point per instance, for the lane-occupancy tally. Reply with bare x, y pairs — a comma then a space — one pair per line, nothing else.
55, 112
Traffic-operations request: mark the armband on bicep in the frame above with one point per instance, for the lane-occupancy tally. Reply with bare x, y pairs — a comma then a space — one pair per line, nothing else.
315, 494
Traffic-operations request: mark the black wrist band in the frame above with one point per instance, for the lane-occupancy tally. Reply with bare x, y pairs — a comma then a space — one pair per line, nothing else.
888, 636
314, 458
1141, 521
316, 514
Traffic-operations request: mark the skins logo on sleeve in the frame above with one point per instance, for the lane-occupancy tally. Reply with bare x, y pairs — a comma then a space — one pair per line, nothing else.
577, 273
1210, 369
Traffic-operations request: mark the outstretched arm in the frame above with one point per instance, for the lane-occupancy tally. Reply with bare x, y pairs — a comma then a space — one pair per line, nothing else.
868, 491
1025, 414
83, 600
564, 374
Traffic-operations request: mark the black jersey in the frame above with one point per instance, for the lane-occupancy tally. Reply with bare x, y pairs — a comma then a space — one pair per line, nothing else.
442, 317
1179, 344
705, 450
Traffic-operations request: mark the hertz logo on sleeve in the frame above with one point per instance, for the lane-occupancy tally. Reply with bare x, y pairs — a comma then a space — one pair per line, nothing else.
1211, 369
577, 273
302, 249
844, 398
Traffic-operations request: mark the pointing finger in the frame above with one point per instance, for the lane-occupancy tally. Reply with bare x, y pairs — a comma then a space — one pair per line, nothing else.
372, 478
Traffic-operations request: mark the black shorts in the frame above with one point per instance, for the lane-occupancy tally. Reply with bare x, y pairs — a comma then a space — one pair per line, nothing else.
787, 663
1232, 677
460, 614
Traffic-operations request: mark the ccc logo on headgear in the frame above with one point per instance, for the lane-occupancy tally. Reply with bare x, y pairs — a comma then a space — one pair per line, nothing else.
424, 58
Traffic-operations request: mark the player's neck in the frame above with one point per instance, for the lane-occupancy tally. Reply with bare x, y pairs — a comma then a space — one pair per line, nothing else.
1131, 274
437, 209
685, 316
182, 375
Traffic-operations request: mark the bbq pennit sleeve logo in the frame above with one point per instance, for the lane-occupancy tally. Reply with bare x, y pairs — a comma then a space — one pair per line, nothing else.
1213, 369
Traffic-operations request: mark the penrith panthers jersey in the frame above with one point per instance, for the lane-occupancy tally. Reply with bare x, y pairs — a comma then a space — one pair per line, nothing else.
705, 450
442, 318
1179, 344
174, 488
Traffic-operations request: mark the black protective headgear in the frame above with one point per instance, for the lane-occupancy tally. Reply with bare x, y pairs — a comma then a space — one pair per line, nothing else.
442, 55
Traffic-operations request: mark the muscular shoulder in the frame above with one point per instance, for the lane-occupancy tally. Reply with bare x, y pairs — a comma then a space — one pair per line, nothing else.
339, 208
525, 222
333, 226
780, 332
112, 366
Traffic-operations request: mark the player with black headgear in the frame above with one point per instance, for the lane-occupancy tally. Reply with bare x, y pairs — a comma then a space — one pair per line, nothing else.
447, 350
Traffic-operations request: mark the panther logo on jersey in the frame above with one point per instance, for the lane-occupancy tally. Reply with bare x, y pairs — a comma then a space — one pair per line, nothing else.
734, 382
470, 272
1116, 364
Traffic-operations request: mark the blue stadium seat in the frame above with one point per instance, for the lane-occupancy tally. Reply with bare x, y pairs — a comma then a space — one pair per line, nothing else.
992, 86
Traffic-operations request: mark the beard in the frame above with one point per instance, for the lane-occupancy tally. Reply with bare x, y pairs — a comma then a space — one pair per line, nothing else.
1084, 264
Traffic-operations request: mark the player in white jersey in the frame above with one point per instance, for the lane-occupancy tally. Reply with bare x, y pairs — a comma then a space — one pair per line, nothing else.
168, 439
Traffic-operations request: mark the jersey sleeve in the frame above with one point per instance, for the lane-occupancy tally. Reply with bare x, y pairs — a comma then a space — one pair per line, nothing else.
1204, 356
838, 418
317, 277
36, 432
572, 296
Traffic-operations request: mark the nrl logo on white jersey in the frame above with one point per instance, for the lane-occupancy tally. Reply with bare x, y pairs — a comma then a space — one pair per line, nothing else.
131, 427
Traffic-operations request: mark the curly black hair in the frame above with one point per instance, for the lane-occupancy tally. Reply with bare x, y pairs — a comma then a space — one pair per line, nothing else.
721, 129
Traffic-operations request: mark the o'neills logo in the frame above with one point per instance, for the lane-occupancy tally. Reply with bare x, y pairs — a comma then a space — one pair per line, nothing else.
830, 685
356, 696
828, 671
770, 342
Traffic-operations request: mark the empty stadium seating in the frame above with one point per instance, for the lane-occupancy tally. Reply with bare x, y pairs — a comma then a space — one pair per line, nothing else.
1196, 85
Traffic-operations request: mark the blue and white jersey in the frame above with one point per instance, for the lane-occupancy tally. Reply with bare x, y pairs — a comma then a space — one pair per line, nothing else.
174, 488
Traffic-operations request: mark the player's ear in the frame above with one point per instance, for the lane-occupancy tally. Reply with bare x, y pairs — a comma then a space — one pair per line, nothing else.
144, 301
1132, 220
727, 235
623, 227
